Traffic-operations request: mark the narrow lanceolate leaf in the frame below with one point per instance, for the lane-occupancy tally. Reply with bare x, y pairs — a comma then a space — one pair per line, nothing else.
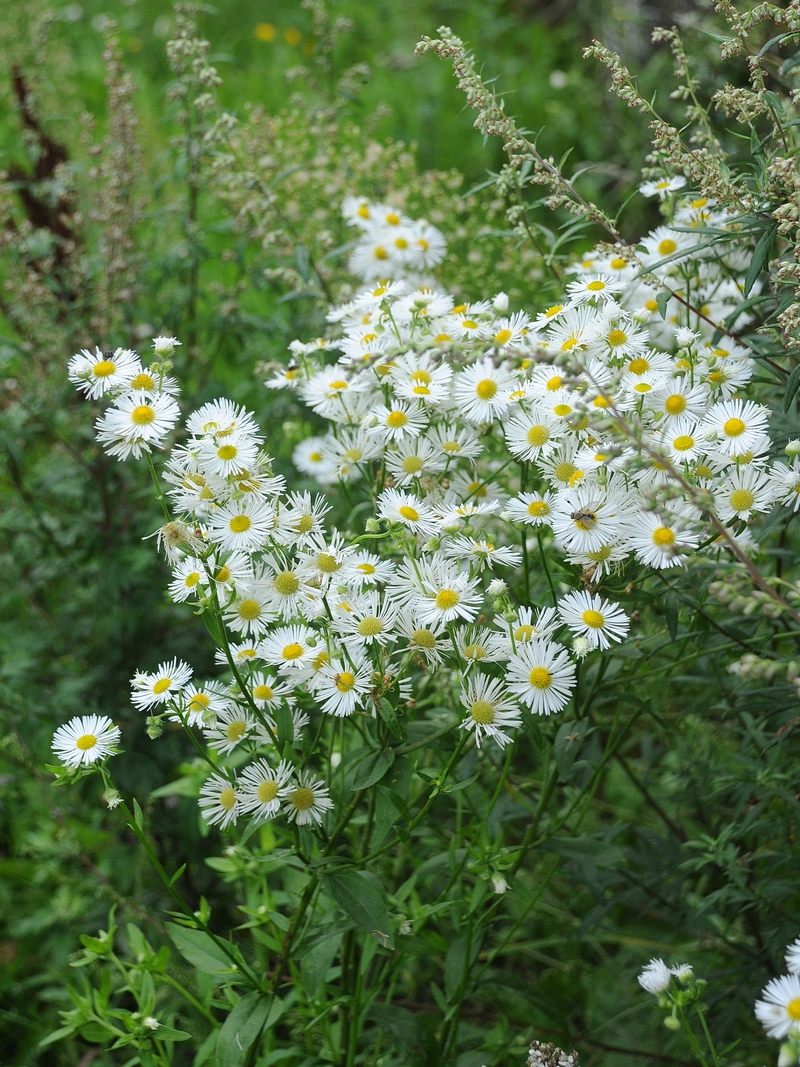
358, 898
199, 949
791, 388
253, 1014
671, 614
760, 257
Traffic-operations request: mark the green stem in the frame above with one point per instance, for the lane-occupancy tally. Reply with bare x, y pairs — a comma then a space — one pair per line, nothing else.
546, 568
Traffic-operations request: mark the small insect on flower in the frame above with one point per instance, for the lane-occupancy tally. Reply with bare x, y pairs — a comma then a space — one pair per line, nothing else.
85, 739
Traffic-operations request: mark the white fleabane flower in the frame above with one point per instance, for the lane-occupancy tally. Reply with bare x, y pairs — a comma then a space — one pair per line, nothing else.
734, 426
446, 594
541, 676
307, 800
533, 433
188, 579
242, 525
661, 541
136, 423
85, 739
656, 976
160, 686
793, 957
489, 711
266, 690
223, 417
786, 483
233, 726
743, 492
413, 459
219, 801
408, 509
481, 553
251, 611
263, 788
480, 391
589, 615
395, 422
779, 1010
535, 509
369, 622
96, 373
662, 187
288, 647
343, 684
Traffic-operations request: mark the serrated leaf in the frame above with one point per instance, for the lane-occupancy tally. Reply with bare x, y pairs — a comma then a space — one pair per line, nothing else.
199, 949
358, 898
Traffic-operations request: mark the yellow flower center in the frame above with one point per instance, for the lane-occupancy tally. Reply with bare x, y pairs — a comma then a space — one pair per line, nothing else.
651, 305
564, 471
239, 524
191, 580
142, 381
538, 436
366, 568
593, 619
663, 537
412, 464
734, 427
486, 389
395, 420
793, 1009
468, 324
601, 401
227, 798
482, 712
474, 652
267, 791
537, 508
561, 410
292, 651
227, 452
616, 338
142, 415
601, 555
524, 632
540, 678
596, 286
741, 499
370, 626
302, 799
502, 336
286, 583
400, 242
638, 366
338, 385
327, 563
409, 513
587, 520
618, 263
85, 742
249, 609
683, 443
667, 247
424, 638
263, 692
236, 730
675, 404
223, 574
554, 310
345, 681
452, 447
162, 685
104, 369
199, 702
552, 384
304, 524
381, 253
446, 599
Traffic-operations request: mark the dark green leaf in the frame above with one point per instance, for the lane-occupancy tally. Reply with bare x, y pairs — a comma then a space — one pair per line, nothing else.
371, 769
791, 388
568, 743
456, 962
760, 257
254, 1013
358, 898
317, 961
199, 949
662, 300
671, 614
285, 724
389, 716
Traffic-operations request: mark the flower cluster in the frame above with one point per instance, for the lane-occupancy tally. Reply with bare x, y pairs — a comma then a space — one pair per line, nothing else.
391, 244
779, 1008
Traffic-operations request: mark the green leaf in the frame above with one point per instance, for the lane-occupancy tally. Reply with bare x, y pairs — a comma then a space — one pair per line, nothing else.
199, 949
138, 817
167, 1033
791, 388
671, 614
662, 300
456, 962
389, 716
568, 743
358, 898
285, 724
371, 769
317, 961
253, 1014
760, 257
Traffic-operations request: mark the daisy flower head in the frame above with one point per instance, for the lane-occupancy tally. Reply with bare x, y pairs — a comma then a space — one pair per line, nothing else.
136, 423
86, 739
427, 246
164, 346
481, 553
324, 558
288, 647
533, 433
223, 418
594, 286
745, 490
300, 517
160, 686
202, 703
589, 516
262, 788
447, 594
409, 510
307, 800
779, 1008
395, 422
477, 644
415, 458
266, 690
188, 579
662, 243
97, 373
662, 187
416, 376
342, 685
793, 957
233, 725
541, 675
656, 976
242, 525
734, 426
660, 540
251, 611
369, 622
481, 391
312, 456
535, 509
219, 801
367, 568
589, 615
429, 642
489, 711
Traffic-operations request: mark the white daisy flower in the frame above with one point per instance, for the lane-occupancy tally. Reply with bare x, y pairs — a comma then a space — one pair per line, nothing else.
262, 788
342, 685
233, 726
201, 703
481, 553
366, 568
251, 611
733, 426
413, 459
793, 957
86, 739
97, 373
661, 540
744, 491
533, 433
288, 647
454, 442
477, 644
241, 653
242, 525
313, 456
541, 675
662, 187
324, 559
219, 801
480, 391
409, 510
307, 800
300, 518
188, 579
656, 976
779, 1011
369, 622
266, 690
161, 686
589, 615
489, 711
431, 641
535, 509
136, 423
223, 417
446, 594
395, 422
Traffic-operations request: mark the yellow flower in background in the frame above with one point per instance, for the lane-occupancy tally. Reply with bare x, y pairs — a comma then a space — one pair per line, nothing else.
265, 31
292, 37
